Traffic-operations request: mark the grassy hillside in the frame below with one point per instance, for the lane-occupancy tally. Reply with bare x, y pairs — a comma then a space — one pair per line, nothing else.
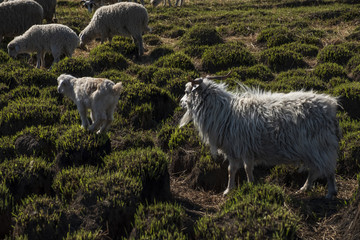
148, 179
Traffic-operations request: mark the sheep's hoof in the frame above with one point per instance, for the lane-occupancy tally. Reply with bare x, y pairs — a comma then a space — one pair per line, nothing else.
226, 192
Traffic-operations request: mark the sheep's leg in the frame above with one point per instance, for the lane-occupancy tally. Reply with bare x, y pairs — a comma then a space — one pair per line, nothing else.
39, 59
139, 42
249, 168
309, 181
332, 189
84, 121
232, 170
169, 3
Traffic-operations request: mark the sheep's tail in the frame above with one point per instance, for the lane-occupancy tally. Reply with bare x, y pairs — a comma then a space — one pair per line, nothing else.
117, 88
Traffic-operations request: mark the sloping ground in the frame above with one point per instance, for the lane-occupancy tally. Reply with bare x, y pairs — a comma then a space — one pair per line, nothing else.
148, 179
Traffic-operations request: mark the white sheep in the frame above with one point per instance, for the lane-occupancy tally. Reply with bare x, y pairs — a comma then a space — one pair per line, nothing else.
100, 95
18, 16
55, 38
48, 6
252, 127
155, 3
125, 19
92, 5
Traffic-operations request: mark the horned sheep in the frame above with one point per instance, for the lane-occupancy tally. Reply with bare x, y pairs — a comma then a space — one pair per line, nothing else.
250, 127
48, 6
97, 94
55, 38
18, 16
125, 19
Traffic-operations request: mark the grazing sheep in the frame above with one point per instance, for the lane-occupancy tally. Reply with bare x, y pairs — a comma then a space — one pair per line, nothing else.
252, 127
97, 94
55, 38
18, 16
48, 6
95, 4
155, 3
125, 18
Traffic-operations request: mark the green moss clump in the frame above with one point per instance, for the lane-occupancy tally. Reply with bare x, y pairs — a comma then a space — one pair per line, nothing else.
326, 71
161, 51
152, 40
349, 160
77, 146
305, 50
4, 57
258, 71
201, 35
356, 73
160, 221
78, 67
149, 165
104, 60
275, 36
18, 93
279, 59
40, 217
195, 50
253, 211
27, 175
138, 93
224, 56
353, 63
335, 54
27, 112
297, 79
349, 94
175, 60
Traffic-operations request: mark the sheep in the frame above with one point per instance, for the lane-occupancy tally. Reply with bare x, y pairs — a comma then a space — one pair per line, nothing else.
48, 6
55, 38
125, 18
100, 95
95, 4
252, 127
18, 16
155, 3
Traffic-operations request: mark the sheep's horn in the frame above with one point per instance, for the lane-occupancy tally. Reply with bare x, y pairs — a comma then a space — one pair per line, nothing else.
196, 81
219, 77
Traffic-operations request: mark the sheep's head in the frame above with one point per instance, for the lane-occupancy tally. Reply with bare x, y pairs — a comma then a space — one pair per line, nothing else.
89, 4
13, 49
64, 83
191, 89
155, 2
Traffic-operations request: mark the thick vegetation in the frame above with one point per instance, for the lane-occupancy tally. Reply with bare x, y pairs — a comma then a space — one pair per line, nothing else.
148, 179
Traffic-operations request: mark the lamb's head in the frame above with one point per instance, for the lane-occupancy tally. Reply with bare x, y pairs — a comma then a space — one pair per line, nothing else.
89, 4
64, 84
192, 89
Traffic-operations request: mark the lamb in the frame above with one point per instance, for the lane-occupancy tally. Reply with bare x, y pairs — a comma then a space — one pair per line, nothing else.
252, 127
125, 18
155, 3
95, 4
98, 94
48, 6
18, 16
55, 38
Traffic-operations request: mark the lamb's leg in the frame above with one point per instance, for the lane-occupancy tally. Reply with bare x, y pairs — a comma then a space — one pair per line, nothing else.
109, 119
139, 42
99, 119
332, 189
82, 110
234, 166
